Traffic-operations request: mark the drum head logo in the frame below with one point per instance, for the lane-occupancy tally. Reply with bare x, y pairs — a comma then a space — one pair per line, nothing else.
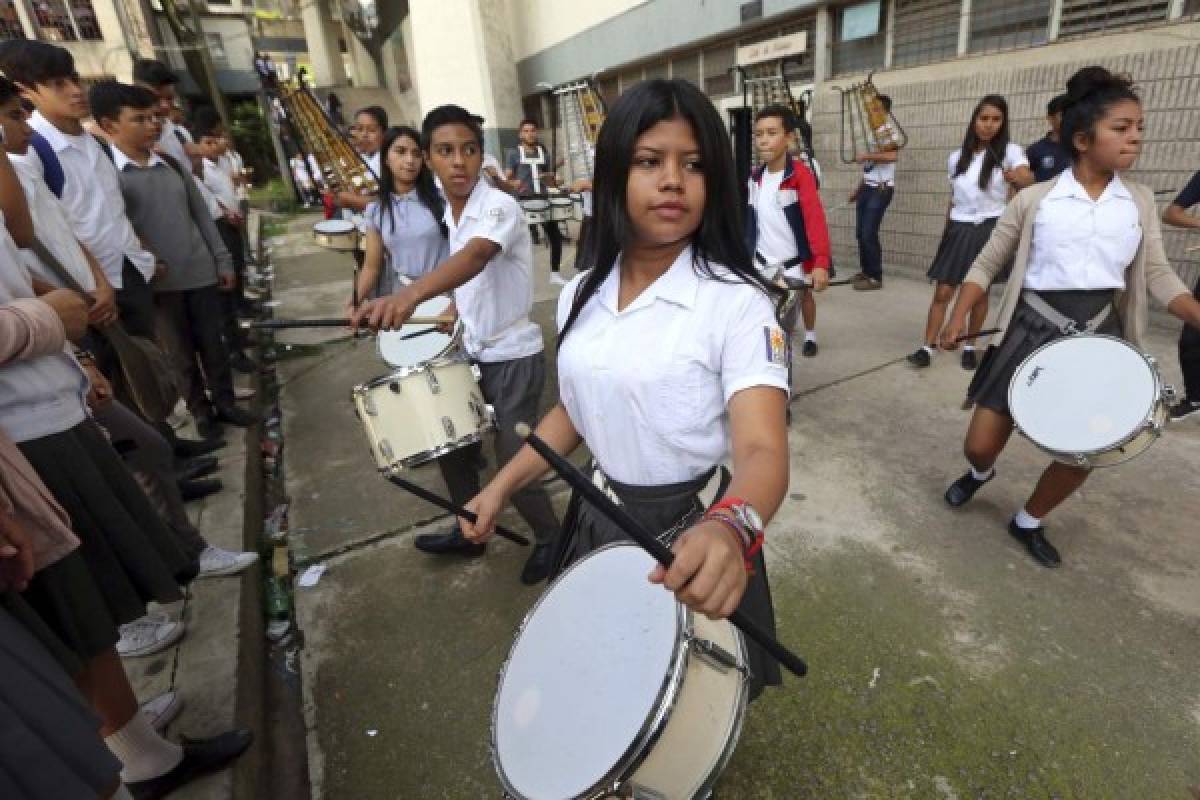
1033, 376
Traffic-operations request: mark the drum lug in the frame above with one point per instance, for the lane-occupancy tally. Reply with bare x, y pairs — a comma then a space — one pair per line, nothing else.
1082, 461
393, 387
434, 386
448, 426
713, 654
385, 450
1170, 395
369, 405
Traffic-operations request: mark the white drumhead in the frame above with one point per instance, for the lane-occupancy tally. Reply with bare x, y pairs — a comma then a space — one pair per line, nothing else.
398, 351
584, 675
1083, 394
334, 226
559, 202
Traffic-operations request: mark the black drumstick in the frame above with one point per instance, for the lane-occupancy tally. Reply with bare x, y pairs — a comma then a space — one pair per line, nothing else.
985, 332
446, 505
661, 553
333, 322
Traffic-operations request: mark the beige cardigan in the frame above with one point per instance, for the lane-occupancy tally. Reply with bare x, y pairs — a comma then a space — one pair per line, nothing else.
1149, 272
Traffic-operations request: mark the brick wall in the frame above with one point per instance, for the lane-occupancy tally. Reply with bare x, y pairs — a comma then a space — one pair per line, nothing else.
934, 106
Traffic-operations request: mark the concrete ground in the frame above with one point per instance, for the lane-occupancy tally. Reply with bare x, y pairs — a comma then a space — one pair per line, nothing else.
944, 662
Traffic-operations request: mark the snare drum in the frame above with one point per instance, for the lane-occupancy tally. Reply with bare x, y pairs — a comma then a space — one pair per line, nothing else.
561, 209
537, 210
614, 687
337, 234
415, 344
416, 414
1089, 400
577, 206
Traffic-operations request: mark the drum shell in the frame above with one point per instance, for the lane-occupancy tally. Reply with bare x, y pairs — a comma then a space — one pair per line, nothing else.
691, 732
577, 206
343, 240
536, 209
561, 209
409, 422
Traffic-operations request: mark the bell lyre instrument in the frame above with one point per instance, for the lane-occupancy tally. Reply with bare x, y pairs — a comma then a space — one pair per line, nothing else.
867, 126
343, 169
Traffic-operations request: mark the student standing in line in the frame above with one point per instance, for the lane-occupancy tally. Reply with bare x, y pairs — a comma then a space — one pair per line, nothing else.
1177, 216
1048, 157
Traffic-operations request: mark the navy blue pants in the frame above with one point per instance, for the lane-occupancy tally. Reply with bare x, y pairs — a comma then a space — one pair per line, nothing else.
873, 202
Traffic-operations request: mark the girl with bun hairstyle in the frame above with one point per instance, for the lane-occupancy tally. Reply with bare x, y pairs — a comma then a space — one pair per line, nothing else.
1087, 245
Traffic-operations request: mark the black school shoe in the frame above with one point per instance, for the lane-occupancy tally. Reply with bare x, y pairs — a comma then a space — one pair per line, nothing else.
199, 488
809, 349
964, 489
194, 448
196, 467
451, 543
1184, 408
200, 756
919, 358
1036, 543
538, 566
969, 361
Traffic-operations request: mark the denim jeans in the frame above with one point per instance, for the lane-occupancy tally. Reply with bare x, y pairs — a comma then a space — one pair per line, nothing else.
873, 202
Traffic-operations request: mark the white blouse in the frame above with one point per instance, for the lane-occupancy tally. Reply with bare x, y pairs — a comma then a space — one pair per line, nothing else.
972, 204
648, 387
1081, 243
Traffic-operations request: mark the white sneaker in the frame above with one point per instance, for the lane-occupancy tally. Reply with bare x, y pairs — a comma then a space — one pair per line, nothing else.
215, 562
179, 416
557, 280
161, 710
243, 392
145, 637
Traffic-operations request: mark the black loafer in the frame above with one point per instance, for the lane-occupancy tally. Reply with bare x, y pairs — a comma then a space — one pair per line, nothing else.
452, 543
968, 360
196, 468
196, 489
965, 488
538, 566
1036, 543
919, 358
809, 349
200, 756
208, 427
194, 448
236, 416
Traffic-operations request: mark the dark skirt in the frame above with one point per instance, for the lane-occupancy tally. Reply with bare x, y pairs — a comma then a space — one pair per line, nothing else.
127, 556
961, 244
50, 745
1028, 331
672, 509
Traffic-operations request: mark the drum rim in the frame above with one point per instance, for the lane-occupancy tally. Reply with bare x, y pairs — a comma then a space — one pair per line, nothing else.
535, 204
656, 721
444, 355
1083, 457
425, 456
342, 232
404, 372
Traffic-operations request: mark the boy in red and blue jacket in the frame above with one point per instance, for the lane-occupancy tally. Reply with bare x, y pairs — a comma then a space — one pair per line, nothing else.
785, 222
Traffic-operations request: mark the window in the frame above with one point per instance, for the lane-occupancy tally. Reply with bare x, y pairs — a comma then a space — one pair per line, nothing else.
608, 91
1009, 25
718, 80
858, 38
59, 22
216, 49
925, 31
1191, 7
1081, 17
687, 68
629, 78
10, 23
656, 70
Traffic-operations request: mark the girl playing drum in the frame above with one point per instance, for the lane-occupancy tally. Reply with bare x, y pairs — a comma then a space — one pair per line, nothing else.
1088, 250
671, 359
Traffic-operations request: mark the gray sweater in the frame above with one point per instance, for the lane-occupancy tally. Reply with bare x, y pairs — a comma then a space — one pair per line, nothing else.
172, 219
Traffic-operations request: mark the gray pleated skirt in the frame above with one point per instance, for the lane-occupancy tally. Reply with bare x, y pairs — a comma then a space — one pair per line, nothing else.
127, 557
672, 509
961, 243
50, 745
1028, 331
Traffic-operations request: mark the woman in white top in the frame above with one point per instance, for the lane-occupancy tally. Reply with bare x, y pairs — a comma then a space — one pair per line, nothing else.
1087, 247
981, 173
672, 308
406, 236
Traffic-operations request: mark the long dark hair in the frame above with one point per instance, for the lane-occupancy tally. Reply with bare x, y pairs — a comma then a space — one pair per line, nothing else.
993, 155
427, 193
718, 240
1090, 93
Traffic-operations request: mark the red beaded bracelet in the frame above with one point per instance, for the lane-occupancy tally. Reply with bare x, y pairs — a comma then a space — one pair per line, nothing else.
740, 535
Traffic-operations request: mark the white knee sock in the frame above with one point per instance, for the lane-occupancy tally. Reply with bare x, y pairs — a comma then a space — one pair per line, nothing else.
1026, 520
984, 475
968, 348
810, 336
928, 348
143, 753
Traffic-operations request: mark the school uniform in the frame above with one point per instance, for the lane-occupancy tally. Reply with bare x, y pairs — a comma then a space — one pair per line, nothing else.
712, 338
528, 168
91, 194
1047, 158
500, 337
973, 213
1189, 337
1075, 260
785, 223
413, 242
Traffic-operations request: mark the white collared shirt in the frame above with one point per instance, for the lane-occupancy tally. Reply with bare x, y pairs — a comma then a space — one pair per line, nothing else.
220, 184
972, 204
373, 162
94, 204
171, 145
648, 387
495, 305
121, 161
50, 224
1081, 243
776, 241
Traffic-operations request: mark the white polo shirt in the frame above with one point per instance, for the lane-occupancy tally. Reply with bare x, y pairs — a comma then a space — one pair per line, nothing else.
220, 184
94, 204
50, 224
648, 387
1081, 243
495, 305
972, 204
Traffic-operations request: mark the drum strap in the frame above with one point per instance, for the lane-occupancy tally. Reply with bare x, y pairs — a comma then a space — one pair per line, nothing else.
717, 481
1065, 324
